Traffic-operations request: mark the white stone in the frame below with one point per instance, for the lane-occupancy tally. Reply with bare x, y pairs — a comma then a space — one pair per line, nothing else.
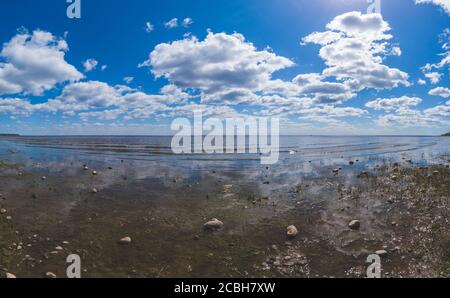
213, 224
292, 231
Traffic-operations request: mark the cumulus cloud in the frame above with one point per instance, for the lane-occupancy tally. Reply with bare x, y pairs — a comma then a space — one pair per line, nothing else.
15, 106
95, 99
444, 4
389, 104
421, 82
90, 64
35, 63
440, 91
218, 63
332, 111
415, 119
441, 110
405, 116
313, 86
89, 94
353, 49
434, 77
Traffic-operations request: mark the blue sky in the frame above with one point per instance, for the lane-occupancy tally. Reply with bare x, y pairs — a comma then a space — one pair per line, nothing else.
323, 67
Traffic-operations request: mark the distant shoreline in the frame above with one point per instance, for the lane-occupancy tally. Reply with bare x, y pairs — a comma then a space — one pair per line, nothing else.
9, 135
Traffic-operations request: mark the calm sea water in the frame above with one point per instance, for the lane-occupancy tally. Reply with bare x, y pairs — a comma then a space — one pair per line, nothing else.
312, 151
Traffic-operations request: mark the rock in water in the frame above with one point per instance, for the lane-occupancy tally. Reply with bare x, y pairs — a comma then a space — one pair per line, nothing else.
354, 225
213, 224
94, 173
292, 231
125, 240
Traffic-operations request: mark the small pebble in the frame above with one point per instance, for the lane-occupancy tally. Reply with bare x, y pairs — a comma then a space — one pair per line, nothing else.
50, 275
354, 225
125, 240
292, 231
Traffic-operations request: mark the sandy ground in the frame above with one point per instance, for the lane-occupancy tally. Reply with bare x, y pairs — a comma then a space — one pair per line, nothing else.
403, 210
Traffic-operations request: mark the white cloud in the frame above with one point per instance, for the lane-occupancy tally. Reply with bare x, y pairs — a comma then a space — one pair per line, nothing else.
15, 106
389, 104
149, 27
440, 91
442, 110
34, 63
396, 51
128, 80
323, 92
434, 77
353, 51
187, 22
444, 4
421, 82
416, 119
173, 23
217, 64
100, 100
444, 40
355, 24
331, 111
89, 94
90, 64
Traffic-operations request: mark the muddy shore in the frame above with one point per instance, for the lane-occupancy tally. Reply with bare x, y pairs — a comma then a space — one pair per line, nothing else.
48, 214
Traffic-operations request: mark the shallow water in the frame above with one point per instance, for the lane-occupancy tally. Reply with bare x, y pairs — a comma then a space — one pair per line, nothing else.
327, 150
162, 200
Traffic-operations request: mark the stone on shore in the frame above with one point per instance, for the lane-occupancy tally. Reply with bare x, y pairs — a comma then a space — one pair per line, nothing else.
213, 224
10, 275
292, 231
381, 253
125, 240
354, 225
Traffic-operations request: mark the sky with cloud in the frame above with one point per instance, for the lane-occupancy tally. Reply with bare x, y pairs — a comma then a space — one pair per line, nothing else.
323, 67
